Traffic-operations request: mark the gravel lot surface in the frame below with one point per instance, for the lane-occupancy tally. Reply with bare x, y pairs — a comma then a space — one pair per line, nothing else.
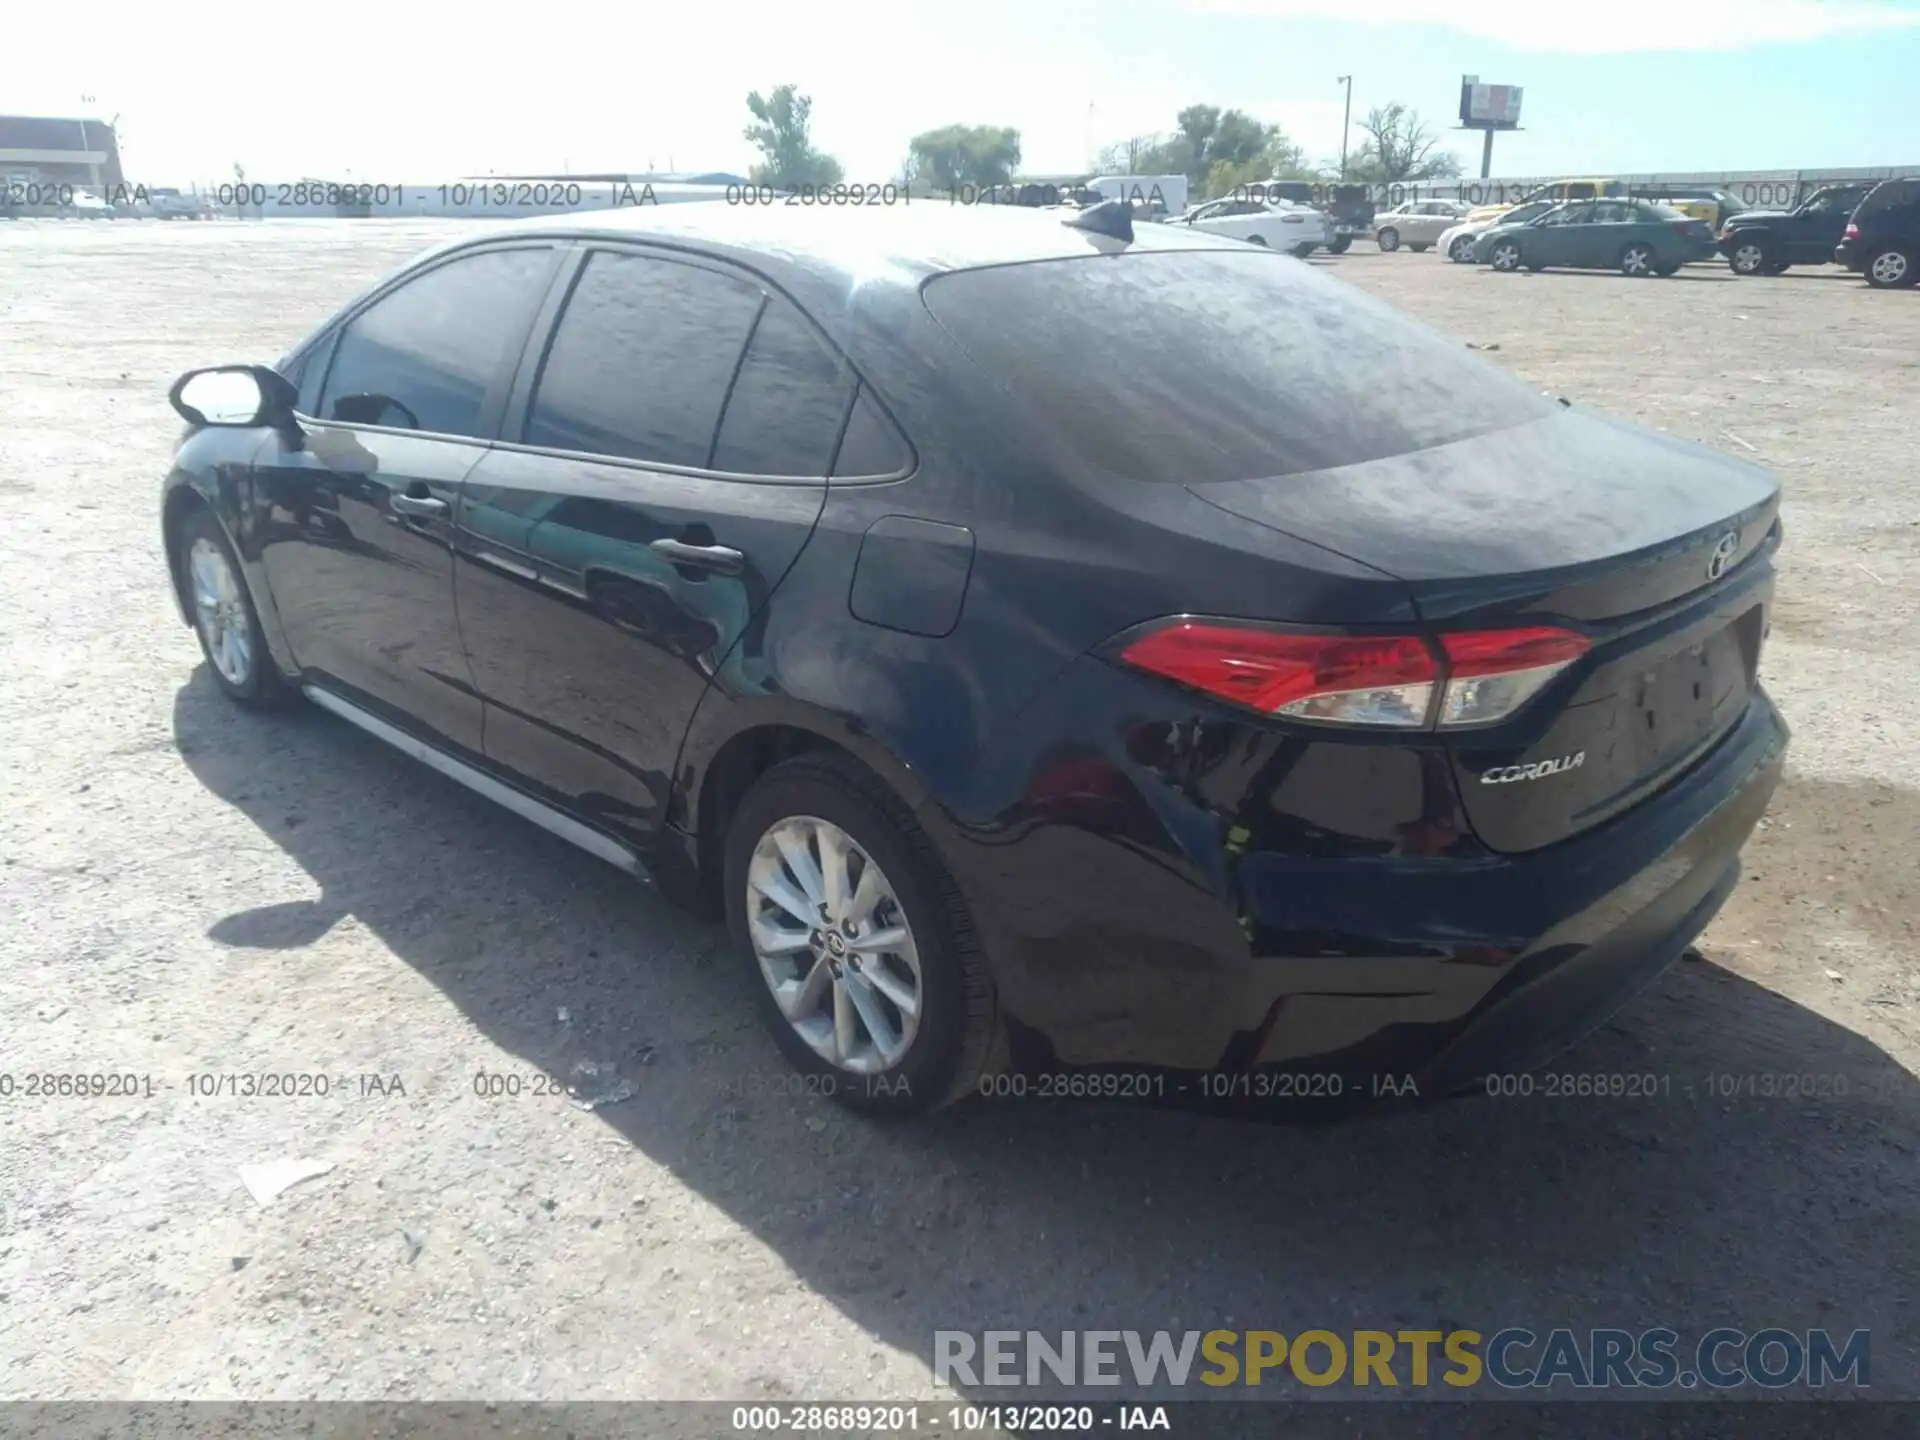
188, 889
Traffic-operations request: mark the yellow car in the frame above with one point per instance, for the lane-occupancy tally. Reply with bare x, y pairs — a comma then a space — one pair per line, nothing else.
1554, 190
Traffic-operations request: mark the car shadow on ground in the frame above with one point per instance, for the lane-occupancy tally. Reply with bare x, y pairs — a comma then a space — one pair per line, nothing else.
1718, 1200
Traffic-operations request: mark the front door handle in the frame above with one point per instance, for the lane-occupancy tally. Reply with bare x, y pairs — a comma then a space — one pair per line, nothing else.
721, 559
427, 507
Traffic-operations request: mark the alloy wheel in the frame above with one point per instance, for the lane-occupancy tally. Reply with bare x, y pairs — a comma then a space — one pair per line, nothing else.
1747, 259
1889, 267
1506, 256
1462, 252
220, 611
1637, 260
834, 945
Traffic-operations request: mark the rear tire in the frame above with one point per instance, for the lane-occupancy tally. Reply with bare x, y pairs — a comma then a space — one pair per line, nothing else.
897, 1063
1636, 261
1419, 249
1340, 245
1388, 239
224, 617
1664, 271
1892, 269
1259, 240
1505, 257
1462, 251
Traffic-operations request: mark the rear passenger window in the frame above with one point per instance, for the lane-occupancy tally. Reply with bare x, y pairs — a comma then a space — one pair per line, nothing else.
423, 356
641, 362
788, 402
871, 446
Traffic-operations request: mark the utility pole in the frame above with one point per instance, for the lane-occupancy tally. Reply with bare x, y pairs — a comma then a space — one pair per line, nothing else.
1486, 156
1346, 122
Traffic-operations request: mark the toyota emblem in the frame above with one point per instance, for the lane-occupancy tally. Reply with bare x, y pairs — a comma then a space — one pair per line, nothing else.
1724, 549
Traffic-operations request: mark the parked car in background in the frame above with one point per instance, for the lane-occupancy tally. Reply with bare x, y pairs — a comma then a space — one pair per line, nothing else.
1766, 242
165, 203
85, 205
1352, 210
1635, 237
1702, 202
1323, 701
1279, 225
1456, 243
1882, 240
1417, 224
1350, 207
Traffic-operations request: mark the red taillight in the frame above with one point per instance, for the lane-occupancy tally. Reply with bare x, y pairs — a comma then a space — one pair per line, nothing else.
1853, 231
1492, 673
1385, 680
1349, 679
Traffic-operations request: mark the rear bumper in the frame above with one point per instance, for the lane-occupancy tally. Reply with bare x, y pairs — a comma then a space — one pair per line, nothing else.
1316, 985
1851, 254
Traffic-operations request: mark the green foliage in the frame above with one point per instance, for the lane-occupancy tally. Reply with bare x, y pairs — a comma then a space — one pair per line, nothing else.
780, 131
1280, 160
1215, 149
956, 155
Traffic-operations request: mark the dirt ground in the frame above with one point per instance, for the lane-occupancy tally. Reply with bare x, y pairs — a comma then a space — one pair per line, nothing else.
191, 890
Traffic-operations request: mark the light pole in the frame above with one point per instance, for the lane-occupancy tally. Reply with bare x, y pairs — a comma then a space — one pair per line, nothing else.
1346, 121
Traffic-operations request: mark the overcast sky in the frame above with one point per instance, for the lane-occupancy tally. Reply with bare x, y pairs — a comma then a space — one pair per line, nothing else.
385, 91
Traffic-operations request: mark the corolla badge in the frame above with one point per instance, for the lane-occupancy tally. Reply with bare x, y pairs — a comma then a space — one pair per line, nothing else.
1539, 770
1724, 549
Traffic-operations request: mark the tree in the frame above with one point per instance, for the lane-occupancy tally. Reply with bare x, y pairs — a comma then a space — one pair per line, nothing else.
1399, 146
780, 130
1208, 141
957, 155
1281, 159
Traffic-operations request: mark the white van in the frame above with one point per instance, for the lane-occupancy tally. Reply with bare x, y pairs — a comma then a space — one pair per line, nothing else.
1160, 196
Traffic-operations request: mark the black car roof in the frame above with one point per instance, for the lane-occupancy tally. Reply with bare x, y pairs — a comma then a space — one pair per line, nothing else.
842, 262
899, 242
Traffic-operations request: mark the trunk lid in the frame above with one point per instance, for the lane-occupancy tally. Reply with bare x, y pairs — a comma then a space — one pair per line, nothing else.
1656, 549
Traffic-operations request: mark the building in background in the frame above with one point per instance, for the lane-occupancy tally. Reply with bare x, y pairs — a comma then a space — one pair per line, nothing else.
54, 151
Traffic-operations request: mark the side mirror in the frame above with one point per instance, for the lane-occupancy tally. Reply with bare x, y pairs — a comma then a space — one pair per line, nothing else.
234, 395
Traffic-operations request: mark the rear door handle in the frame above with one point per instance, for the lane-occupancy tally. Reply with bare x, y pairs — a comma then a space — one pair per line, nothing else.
721, 559
425, 506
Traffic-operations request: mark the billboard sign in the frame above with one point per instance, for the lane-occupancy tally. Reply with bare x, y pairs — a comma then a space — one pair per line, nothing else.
1488, 107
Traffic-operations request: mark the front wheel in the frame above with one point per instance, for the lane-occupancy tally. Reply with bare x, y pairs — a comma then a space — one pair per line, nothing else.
1891, 269
1388, 239
1637, 260
1506, 256
1749, 257
224, 617
1340, 244
861, 949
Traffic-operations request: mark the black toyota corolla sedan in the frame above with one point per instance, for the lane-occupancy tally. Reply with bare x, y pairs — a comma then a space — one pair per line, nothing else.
1072, 659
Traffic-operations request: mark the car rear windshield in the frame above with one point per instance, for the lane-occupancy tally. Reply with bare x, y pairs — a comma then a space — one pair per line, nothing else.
1196, 366
1890, 195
